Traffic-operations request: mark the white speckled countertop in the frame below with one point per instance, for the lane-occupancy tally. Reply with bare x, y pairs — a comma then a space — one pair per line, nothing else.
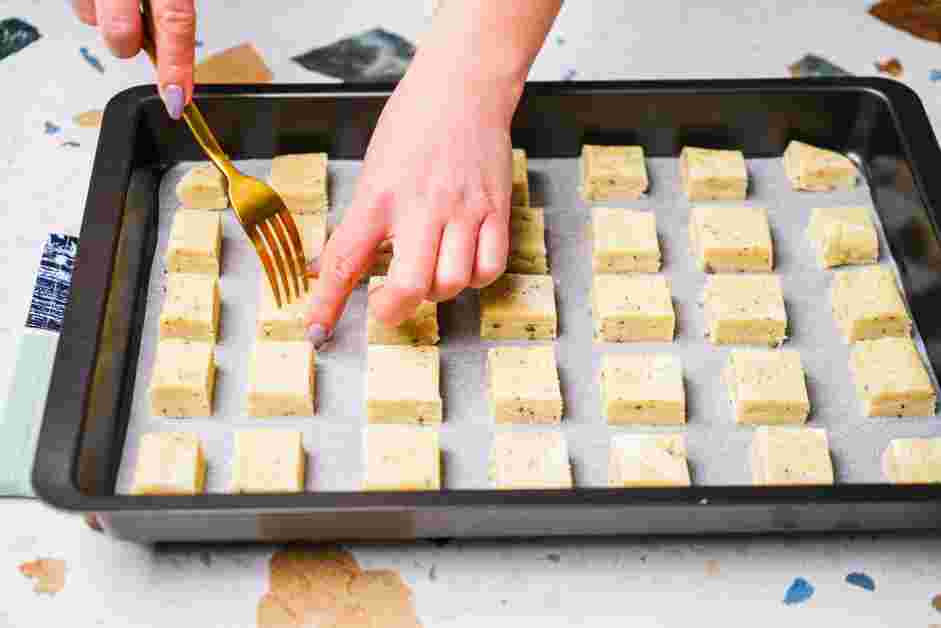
636, 582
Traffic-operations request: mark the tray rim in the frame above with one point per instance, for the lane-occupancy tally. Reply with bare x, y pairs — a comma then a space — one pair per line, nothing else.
59, 440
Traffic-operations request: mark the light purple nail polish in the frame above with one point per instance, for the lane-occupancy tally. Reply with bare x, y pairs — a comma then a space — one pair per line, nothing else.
173, 99
317, 335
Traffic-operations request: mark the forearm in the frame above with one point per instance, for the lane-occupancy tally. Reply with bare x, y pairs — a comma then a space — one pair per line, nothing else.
485, 48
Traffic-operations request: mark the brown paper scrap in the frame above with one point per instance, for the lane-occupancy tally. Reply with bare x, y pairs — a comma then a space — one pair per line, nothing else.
324, 586
241, 64
48, 574
921, 18
89, 119
890, 65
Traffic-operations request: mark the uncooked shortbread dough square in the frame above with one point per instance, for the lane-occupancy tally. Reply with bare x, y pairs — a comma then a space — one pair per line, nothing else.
527, 242
891, 379
403, 384
843, 235
518, 307
169, 463
613, 172
281, 379
524, 385
767, 387
525, 460
867, 304
313, 231
731, 239
817, 169
642, 388
624, 241
301, 181
402, 458
285, 323
913, 461
421, 328
632, 308
268, 461
745, 310
713, 175
648, 461
790, 456
520, 193
183, 379
195, 243
191, 308
202, 187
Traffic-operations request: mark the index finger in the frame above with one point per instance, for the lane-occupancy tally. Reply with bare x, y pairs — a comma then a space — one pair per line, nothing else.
175, 37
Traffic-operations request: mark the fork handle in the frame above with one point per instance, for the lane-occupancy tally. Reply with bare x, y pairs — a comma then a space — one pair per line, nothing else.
191, 114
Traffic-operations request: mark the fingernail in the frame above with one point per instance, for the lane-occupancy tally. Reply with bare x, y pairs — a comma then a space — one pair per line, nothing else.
173, 99
313, 267
317, 335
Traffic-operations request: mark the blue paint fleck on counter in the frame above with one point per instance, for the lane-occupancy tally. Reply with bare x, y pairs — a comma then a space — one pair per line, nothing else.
50, 128
91, 59
861, 580
799, 592
935, 75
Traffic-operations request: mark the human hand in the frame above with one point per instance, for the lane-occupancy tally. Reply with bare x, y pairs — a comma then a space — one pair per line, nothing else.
119, 22
436, 180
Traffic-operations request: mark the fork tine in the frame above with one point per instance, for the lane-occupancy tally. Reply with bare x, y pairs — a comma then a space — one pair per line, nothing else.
275, 251
290, 250
295, 237
266, 263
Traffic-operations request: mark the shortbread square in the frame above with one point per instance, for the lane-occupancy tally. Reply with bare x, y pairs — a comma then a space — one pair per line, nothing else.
402, 458
524, 385
313, 231
613, 172
767, 387
520, 193
867, 304
281, 379
421, 328
731, 239
745, 310
642, 388
713, 175
195, 244
624, 241
648, 461
402, 384
632, 308
285, 323
527, 460
817, 169
527, 242
268, 461
183, 379
790, 456
169, 463
891, 379
518, 307
202, 187
301, 182
913, 461
191, 308
843, 235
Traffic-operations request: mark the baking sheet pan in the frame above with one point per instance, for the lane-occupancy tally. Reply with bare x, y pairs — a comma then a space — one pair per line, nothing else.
718, 448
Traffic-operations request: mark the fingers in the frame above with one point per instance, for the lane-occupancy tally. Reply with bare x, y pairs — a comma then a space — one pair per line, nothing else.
493, 244
348, 254
120, 24
412, 271
85, 11
456, 259
175, 34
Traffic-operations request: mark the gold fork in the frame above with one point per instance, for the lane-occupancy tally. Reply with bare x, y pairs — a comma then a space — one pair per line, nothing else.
262, 213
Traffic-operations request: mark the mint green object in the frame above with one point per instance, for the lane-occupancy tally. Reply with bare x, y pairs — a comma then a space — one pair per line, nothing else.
22, 415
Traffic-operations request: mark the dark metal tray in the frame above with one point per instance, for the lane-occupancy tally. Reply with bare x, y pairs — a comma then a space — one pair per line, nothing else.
879, 122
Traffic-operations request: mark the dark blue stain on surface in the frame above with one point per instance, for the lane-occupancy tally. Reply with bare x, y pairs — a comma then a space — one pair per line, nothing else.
799, 592
50, 128
16, 34
91, 59
53, 283
198, 43
935, 75
375, 55
861, 580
